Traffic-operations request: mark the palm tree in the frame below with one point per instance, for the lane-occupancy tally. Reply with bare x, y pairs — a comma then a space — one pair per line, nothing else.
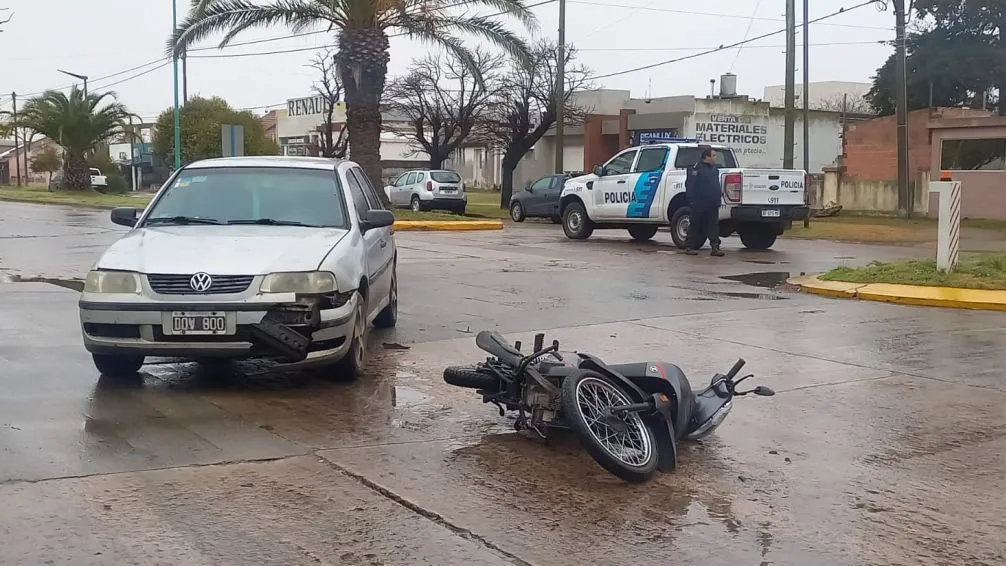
363, 28
80, 124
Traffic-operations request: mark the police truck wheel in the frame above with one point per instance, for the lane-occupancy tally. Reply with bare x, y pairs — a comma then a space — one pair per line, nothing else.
517, 212
642, 233
759, 236
575, 222
680, 222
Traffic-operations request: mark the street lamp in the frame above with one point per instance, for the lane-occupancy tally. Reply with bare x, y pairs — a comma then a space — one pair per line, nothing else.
76, 76
174, 68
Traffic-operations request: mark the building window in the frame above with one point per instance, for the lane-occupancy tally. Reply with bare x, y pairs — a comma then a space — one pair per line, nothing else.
973, 155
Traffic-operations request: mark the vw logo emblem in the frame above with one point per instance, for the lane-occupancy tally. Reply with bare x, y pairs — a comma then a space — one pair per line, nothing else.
201, 282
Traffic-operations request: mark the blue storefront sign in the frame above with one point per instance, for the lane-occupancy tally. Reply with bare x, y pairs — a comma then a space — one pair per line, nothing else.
643, 136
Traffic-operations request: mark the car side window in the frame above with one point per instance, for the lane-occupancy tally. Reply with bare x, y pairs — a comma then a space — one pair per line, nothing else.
359, 198
542, 184
400, 181
411, 180
651, 159
621, 164
373, 201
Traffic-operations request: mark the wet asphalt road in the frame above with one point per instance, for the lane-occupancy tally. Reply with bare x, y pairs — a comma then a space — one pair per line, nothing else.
885, 444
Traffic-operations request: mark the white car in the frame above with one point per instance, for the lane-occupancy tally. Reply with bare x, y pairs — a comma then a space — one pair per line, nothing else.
97, 179
427, 189
289, 258
643, 188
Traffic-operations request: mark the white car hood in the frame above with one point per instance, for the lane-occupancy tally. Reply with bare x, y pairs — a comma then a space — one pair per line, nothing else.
221, 250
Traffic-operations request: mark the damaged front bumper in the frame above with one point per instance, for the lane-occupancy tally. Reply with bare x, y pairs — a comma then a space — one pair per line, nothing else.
293, 328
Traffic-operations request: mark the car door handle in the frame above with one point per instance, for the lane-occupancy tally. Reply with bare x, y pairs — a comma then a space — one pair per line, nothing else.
622, 182
384, 243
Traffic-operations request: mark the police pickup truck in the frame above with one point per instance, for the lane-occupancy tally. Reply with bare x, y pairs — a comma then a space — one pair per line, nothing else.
643, 188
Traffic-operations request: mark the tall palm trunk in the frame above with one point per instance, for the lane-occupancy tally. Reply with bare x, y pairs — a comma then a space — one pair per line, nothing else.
363, 65
76, 174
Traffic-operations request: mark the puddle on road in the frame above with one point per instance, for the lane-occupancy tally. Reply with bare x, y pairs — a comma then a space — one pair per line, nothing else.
72, 284
765, 279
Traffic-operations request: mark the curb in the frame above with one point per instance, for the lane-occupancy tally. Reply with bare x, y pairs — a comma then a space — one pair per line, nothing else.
446, 225
946, 297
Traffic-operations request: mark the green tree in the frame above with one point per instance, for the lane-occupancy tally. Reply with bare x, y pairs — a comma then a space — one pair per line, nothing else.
201, 133
363, 28
951, 71
46, 161
981, 26
79, 124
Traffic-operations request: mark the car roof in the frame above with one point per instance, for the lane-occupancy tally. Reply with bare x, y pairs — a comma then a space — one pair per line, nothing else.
682, 144
282, 161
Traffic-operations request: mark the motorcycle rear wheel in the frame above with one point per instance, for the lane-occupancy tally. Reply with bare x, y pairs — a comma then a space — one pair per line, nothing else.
471, 377
624, 445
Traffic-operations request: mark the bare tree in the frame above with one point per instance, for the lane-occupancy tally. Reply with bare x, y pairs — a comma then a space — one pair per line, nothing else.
443, 99
329, 88
855, 104
524, 108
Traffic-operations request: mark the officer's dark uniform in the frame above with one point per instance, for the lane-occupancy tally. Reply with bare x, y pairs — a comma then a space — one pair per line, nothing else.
704, 194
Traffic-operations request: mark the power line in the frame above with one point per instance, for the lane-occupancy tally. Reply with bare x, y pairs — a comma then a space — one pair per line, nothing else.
747, 32
829, 44
257, 53
730, 46
137, 75
694, 13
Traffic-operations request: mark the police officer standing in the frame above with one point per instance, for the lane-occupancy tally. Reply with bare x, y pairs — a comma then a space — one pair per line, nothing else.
704, 194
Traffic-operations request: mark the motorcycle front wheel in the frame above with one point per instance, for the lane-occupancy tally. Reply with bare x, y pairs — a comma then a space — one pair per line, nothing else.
622, 444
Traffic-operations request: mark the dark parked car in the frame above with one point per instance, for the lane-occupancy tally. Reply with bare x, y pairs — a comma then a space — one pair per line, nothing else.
539, 199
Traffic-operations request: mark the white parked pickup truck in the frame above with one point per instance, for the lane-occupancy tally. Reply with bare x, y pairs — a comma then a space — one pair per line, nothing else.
643, 188
97, 179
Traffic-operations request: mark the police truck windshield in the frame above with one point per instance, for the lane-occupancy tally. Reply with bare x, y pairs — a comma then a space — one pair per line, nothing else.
688, 156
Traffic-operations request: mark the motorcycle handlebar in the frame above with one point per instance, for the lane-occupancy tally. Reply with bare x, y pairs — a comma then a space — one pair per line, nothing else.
736, 369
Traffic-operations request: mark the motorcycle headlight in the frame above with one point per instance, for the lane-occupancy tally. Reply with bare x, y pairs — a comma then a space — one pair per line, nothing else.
121, 282
307, 283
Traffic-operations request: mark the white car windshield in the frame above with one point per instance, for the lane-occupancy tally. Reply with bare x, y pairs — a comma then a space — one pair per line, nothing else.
252, 195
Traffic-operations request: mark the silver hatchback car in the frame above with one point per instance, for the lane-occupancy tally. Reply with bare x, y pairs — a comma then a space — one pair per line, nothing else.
279, 257
426, 189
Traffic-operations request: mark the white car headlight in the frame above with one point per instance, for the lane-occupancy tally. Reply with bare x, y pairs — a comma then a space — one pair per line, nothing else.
121, 282
307, 283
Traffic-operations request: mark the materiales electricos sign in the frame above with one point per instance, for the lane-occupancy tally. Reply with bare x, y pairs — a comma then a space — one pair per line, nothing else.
747, 135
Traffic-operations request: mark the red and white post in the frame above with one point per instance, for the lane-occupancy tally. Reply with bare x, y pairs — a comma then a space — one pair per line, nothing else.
949, 236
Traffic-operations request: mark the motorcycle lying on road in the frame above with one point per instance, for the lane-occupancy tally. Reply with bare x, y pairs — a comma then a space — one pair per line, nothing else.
628, 417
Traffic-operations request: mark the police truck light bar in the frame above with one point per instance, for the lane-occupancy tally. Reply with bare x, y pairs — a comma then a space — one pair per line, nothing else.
649, 141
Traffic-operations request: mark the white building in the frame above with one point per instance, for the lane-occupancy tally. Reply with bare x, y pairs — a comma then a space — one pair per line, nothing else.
826, 95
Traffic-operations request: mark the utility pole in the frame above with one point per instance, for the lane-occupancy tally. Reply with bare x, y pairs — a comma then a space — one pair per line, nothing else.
806, 110
790, 124
560, 90
185, 77
132, 154
17, 162
901, 84
174, 68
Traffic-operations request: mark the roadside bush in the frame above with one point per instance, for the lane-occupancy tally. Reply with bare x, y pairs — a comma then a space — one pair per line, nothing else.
116, 182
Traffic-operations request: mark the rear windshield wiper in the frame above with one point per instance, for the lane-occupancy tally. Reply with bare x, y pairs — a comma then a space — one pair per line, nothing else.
272, 222
181, 220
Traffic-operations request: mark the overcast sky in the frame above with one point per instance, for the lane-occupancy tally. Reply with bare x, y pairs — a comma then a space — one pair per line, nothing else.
99, 38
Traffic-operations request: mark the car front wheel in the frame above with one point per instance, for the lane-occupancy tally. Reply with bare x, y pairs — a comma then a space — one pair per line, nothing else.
352, 364
575, 222
517, 212
118, 366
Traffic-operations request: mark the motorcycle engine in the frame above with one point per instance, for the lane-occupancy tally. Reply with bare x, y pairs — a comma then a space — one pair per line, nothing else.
542, 405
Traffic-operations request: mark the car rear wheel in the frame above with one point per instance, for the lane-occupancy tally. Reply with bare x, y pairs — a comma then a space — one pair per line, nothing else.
759, 236
517, 212
352, 364
680, 224
575, 222
388, 317
642, 233
415, 204
118, 366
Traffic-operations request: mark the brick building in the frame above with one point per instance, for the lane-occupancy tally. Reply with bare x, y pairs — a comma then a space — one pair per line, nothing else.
971, 144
